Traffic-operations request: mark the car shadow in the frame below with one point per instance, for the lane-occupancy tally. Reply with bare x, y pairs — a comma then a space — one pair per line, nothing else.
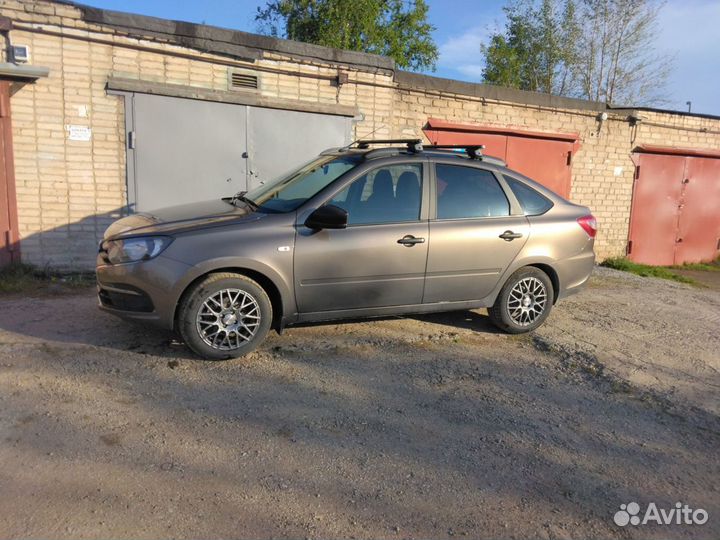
466, 319
74, 317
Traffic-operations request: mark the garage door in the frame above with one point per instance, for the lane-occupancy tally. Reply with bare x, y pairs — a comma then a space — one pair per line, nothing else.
544, 157
676, 196
185, 150
8, 208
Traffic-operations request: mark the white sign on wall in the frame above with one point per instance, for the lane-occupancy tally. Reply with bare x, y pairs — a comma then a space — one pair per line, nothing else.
78, 133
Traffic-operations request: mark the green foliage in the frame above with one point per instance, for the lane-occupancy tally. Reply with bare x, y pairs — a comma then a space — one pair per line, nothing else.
703, 267
645, 270
600, 50
394, 28
26, 278
536, 50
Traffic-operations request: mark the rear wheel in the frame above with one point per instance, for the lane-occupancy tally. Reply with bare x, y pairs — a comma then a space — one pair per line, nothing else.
524, 301
224, 316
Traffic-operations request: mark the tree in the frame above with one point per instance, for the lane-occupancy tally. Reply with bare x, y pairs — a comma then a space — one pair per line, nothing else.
536, 51
600, 50
616, 59
394, 28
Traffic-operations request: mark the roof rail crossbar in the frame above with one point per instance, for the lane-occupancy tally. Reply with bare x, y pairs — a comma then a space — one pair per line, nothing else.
413, 145
474, 151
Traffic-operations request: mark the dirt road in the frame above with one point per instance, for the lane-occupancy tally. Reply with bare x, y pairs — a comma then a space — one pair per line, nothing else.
436, 426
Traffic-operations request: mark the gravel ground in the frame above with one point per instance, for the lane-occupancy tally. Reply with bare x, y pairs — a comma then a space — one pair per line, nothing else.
434, 426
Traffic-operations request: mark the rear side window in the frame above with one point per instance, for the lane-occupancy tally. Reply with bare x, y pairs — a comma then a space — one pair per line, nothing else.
532, 202
467, 192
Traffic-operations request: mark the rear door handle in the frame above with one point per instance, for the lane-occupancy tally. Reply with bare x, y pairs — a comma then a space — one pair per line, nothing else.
509, 236
409, 240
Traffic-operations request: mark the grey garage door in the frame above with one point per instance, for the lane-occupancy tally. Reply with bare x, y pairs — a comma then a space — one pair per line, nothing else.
184, 150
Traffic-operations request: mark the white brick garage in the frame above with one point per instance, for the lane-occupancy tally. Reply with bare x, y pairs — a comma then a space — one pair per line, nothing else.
68, 189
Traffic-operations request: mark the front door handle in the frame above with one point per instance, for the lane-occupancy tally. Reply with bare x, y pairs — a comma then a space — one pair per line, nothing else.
509, 236
409, 240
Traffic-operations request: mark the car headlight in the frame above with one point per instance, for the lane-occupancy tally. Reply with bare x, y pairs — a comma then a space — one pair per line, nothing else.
135, 249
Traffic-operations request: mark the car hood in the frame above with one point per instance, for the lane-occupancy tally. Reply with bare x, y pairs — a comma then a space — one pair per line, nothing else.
176, 219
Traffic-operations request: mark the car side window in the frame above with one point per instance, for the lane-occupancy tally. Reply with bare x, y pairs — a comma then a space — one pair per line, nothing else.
532, 202
468, 192
389, 194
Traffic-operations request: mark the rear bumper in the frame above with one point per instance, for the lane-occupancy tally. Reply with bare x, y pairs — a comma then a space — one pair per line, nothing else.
573, 273
143, 291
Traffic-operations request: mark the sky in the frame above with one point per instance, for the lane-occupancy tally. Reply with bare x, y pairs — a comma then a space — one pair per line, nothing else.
689, 31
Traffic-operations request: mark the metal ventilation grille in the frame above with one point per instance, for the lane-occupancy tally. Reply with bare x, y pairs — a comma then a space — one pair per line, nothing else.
243, 80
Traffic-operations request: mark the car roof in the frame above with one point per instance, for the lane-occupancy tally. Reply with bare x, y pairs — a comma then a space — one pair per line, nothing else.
414, 148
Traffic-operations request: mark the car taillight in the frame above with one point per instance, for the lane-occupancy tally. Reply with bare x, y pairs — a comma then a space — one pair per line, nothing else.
589, 224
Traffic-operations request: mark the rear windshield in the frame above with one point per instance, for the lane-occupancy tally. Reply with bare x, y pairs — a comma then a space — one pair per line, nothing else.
287, 193
532, 202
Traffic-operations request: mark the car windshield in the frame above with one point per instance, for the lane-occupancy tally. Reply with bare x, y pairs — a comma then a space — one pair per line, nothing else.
287, 193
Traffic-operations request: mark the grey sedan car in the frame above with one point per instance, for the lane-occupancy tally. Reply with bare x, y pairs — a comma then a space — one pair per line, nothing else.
378, 228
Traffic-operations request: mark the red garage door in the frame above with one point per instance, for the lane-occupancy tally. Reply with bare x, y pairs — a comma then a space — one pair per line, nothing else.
675, 215
545, 157
9, 251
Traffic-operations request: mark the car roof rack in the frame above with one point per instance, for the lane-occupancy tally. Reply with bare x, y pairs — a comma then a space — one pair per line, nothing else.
474, 151
416, 146
413, 145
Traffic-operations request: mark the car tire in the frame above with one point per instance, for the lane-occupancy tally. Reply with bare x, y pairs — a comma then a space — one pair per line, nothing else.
224, 316
524, 302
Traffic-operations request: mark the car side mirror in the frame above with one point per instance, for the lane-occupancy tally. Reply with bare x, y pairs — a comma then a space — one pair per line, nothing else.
327, 217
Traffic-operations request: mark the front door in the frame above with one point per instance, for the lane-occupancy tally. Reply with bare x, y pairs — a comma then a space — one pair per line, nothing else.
379, 259
474, 237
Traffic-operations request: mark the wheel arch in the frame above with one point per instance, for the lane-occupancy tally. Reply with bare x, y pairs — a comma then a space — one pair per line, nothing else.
544, 264
552, 274
277, 300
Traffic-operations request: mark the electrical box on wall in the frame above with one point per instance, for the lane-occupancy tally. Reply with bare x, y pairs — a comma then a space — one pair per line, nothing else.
20, 54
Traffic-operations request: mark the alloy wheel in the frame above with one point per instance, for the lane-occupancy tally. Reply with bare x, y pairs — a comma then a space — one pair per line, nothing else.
228, 319
527, 301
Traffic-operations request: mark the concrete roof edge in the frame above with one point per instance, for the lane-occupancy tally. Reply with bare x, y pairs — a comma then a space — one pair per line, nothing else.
123, 84
23, 71
499, 93
225, 41
635, 110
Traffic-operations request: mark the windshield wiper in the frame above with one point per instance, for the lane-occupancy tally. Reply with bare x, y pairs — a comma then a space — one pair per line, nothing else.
240, 196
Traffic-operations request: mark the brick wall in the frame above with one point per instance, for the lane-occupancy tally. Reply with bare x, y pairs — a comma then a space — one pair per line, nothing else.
602, 169
69, 191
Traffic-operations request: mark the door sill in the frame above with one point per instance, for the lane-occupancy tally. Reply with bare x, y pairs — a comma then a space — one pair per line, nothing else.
361, 313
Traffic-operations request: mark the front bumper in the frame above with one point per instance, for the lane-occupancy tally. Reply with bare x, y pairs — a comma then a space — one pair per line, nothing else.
145, 291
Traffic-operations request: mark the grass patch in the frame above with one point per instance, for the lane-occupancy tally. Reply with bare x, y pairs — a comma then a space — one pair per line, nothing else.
645, 270
703, 267
18, 278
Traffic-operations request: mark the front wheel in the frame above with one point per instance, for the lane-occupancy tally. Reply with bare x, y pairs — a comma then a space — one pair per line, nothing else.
224, 316
524, 301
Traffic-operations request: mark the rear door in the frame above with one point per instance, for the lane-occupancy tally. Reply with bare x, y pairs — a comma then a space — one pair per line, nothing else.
474, 235
379, 259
